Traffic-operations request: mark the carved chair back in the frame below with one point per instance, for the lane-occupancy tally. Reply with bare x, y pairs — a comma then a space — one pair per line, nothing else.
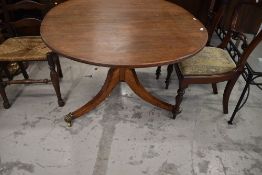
215, 14
236, 36
27, 22
231, 75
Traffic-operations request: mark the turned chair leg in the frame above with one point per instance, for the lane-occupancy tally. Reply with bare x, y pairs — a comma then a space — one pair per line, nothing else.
214, 86
169, 72
158, 72
179, 98
55, 78
5, 69
227, 92
23, 70
6, 103
58, 66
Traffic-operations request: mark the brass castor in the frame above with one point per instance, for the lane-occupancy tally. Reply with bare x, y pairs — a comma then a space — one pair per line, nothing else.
69, 119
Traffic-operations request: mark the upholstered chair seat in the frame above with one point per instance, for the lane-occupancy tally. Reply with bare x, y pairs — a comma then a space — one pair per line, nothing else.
214, 64
23, 48
209, 61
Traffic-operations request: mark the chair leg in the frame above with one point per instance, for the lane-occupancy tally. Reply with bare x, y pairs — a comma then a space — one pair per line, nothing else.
58, 66
230, 122
214, 86
179, 98
7, 73
23, 70
169, 72
227, 92
158, 72
55, 78
6, 103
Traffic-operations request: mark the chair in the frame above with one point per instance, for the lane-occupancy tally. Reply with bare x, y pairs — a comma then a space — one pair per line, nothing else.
213, 65
24, 44
215, 13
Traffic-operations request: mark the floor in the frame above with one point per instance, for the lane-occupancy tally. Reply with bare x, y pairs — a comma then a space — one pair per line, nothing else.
125, 135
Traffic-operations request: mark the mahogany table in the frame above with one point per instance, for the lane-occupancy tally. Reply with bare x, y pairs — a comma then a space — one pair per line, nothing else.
122, 35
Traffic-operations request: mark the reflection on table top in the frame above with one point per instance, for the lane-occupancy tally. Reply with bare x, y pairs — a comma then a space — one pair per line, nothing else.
123, 33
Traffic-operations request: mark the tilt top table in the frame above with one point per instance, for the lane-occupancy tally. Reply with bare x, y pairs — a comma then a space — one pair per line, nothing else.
122, 35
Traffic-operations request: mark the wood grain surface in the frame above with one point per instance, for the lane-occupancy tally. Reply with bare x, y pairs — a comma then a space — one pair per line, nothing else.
123, 33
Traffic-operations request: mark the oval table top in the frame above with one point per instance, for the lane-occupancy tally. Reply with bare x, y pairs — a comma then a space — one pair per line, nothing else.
123, 33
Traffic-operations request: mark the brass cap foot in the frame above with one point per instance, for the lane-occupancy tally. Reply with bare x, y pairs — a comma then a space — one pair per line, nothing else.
69, 119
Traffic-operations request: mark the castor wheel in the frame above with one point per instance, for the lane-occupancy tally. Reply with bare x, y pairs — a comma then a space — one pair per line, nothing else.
69, 119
